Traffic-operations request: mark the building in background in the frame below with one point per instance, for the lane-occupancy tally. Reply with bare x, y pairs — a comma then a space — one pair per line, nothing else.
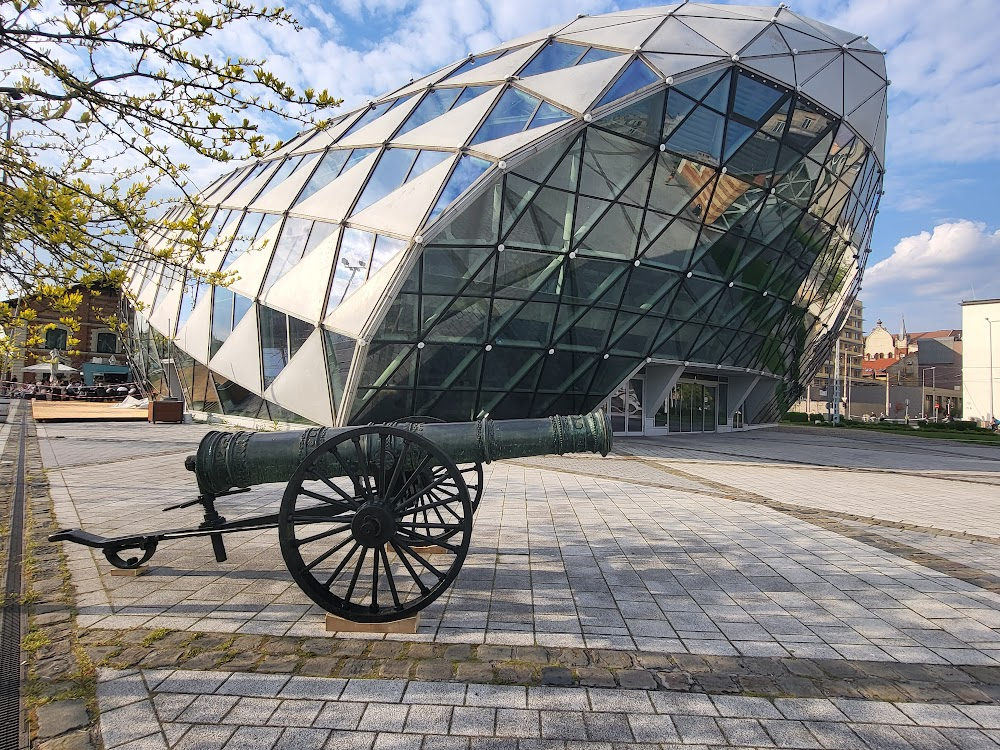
98, 351
981, 359
666, 212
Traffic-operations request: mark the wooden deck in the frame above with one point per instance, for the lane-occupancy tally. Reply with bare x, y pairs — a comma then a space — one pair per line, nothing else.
83, 411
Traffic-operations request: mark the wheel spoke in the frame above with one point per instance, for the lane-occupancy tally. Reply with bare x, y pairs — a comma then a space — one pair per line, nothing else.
410, 551
406, 563
357, 573
375, 561
323, 535
351, 501
411, 500
427, 541
343, 564
326, 555
428, 506
328, 500
429, 525
389, 578
365, 468
410, 479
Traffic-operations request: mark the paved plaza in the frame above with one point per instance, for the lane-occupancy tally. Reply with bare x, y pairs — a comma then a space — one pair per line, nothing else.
854, 576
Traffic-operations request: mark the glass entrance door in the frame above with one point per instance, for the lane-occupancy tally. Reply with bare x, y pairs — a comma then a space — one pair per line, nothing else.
690, 407
625, 408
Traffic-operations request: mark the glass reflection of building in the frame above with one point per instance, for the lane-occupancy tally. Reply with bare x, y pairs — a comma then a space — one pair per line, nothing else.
665, 213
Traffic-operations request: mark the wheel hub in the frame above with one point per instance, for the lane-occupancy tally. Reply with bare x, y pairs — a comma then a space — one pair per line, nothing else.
373, 525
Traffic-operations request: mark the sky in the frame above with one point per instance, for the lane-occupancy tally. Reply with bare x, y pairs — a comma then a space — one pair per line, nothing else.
937, 237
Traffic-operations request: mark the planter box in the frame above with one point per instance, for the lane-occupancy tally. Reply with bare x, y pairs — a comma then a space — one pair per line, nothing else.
165, 411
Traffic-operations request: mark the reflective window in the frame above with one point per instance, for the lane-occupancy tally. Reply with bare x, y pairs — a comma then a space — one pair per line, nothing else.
228, 309
469, 93
474, 62
517, 111
373, 113
334, 164
389, 174
352, 266
288, 250
555, 56
466, 172
433, 105
281, 336
636, 76
252, 228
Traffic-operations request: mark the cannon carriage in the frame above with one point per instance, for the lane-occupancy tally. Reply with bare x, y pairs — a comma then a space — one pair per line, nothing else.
374, 522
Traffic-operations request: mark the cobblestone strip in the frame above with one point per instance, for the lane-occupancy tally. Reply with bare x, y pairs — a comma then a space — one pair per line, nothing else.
60, 693
769, 677
211, 710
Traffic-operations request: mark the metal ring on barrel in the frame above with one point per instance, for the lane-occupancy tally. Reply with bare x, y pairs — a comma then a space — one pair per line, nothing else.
472, 472
351, 523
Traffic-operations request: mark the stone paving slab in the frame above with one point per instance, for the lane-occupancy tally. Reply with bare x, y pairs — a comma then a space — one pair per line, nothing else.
602, 565
170, 709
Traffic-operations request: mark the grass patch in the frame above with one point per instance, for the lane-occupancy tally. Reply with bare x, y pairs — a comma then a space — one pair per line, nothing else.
154, 636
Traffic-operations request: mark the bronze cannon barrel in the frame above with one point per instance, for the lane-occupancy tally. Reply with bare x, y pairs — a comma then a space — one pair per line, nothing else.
227, 460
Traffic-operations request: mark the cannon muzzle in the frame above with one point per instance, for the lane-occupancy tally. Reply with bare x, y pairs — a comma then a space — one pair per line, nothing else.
243, 459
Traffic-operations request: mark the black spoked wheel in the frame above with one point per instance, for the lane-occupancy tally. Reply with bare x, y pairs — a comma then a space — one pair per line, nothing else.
357, 512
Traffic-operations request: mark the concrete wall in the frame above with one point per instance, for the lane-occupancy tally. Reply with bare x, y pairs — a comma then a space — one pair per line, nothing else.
980, 375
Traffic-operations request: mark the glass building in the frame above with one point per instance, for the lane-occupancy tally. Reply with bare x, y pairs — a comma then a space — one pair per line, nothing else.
666, 211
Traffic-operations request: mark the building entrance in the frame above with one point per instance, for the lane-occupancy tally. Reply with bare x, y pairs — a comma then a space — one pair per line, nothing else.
690, 407
625, 408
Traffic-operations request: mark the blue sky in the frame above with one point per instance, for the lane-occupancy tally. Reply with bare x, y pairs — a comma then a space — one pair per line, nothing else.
937, 238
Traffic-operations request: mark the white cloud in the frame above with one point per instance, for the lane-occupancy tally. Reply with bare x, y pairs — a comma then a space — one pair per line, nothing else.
936, 270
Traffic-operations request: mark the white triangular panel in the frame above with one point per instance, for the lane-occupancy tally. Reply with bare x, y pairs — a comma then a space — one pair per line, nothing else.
793, 21
706, 11
625, 36
334, 201
280, 197
732, 35
576, 88
351, 316
673, 37
837, 35
302, 385
163, 317
865, 118
769, 43
861, 83
195, 335
498, 70
251, 266
676, 65
589, 23
327, 137
800, 41
501, 147
880, 136
248, 191
807, 65
527, 38
148, 294
454, 127
759, 12
301, 291
863, 45
827, 87
238, 359
381, 128
780, 69
402, 211
419, 84
874, 61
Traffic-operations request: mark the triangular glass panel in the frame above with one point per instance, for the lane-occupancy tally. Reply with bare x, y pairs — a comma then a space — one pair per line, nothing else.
674, 37
434, 104
755, 100
542, 166
474, 62
511, 114
610, 163
586, 280
478, 222
732, 35
769, 43
590, 331
529, 326
547, 114
449, 370
554, 56
503, 371
827, 86
676, 182
546, 222
596, 54
463, 322
678, 107
522, 274
796, 40
673, 248
736, 135
637, 192
636, 340
645, 287
700, 137
389, 174
696, 88
641, 120
614, 235
799, 182
718, 97
636, 76
517, 195
448, 270
467, 170
371, 114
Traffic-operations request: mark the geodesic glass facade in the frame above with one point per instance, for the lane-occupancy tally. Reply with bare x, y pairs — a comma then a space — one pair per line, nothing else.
521, 232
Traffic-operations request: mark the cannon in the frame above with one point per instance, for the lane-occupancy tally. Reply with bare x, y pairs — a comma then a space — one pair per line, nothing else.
374, 522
